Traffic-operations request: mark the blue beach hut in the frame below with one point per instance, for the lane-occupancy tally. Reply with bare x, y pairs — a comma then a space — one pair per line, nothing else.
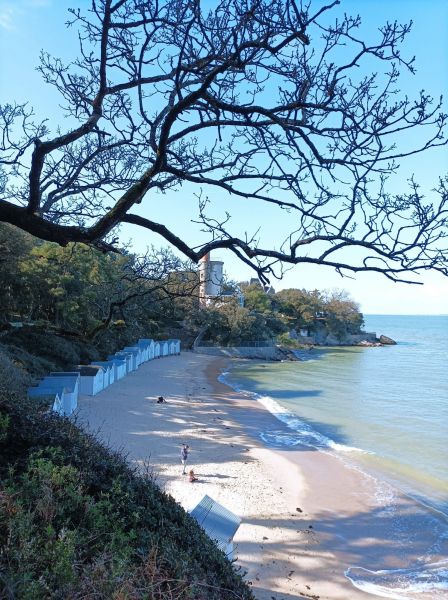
143, 351
174, 346
55, 397
147, 346
64, 385
71, 382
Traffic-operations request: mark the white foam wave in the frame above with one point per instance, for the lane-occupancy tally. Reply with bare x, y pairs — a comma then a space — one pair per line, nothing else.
403, 584
280, 439
304, 433
307, 435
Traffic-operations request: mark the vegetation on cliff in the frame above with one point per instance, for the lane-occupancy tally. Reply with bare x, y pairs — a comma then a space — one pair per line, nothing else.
77, 522
103, 301
78, 292
274, 316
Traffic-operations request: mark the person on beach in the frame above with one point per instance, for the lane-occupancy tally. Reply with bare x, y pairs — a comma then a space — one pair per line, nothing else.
184, 456
191, 476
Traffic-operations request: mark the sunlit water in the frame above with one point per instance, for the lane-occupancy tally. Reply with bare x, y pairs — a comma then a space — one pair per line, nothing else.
386, 408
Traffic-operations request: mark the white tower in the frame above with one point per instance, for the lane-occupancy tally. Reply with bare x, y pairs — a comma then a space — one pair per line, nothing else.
210, 278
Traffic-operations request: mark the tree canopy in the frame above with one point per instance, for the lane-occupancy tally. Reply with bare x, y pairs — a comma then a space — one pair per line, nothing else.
82, 292
276, 102
278, 316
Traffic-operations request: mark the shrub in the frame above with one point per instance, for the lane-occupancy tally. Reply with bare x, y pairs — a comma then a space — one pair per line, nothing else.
53, 348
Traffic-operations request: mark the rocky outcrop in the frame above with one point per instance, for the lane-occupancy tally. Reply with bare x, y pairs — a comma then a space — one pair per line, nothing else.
386, 341
285, 354
364, 339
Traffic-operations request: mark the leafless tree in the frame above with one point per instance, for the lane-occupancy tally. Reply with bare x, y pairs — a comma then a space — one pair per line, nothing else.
270, 101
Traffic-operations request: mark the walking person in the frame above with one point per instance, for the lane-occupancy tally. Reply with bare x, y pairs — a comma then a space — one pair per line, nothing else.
184, 456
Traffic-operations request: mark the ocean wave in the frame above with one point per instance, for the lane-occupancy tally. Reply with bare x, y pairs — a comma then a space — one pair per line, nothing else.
304, 433
403, 584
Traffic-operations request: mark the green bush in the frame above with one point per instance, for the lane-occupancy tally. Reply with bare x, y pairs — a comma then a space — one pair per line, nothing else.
46, 345
284, 340
33, 365
14, 378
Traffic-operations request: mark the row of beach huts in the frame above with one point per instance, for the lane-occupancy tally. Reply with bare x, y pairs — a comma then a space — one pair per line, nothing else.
61, 389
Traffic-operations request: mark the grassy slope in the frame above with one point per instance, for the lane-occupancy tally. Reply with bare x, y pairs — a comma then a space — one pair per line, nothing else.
77, 522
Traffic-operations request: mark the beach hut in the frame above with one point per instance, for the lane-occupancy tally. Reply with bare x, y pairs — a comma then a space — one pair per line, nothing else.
164, 348
92, 379
69, 378
119, 366
63, 384
136, 355
156, 349
127, 356
143, 352
58, 405
109, 371
218, 523
71, 383
174, 345
150, 345
55, 399
147, 348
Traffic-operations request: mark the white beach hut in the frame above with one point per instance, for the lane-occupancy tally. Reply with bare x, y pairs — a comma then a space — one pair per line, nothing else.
149, 345
92, 379
71, 382
174, 346
119, 366
109, 371
54, 398
127, 356
63, 387
145, 346
58, 405
136, 355
164, 348
219, 523
156, 349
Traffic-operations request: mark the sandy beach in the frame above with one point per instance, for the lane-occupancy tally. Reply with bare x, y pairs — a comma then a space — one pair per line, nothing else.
306, 517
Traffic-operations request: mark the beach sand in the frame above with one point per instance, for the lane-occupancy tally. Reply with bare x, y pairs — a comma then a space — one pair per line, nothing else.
306, 517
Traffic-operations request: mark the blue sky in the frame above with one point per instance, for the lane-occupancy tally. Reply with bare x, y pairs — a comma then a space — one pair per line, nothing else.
27, 26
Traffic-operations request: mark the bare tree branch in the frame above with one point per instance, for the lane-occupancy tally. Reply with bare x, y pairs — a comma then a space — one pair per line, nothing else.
254, 99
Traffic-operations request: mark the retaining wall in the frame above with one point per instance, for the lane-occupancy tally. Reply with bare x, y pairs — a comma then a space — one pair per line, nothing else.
262, 353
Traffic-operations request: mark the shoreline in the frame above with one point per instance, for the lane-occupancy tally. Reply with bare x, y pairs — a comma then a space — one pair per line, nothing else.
314, 569
306, 516
378, 517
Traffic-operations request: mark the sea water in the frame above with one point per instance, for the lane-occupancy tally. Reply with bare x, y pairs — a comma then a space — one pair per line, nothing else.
383, 409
